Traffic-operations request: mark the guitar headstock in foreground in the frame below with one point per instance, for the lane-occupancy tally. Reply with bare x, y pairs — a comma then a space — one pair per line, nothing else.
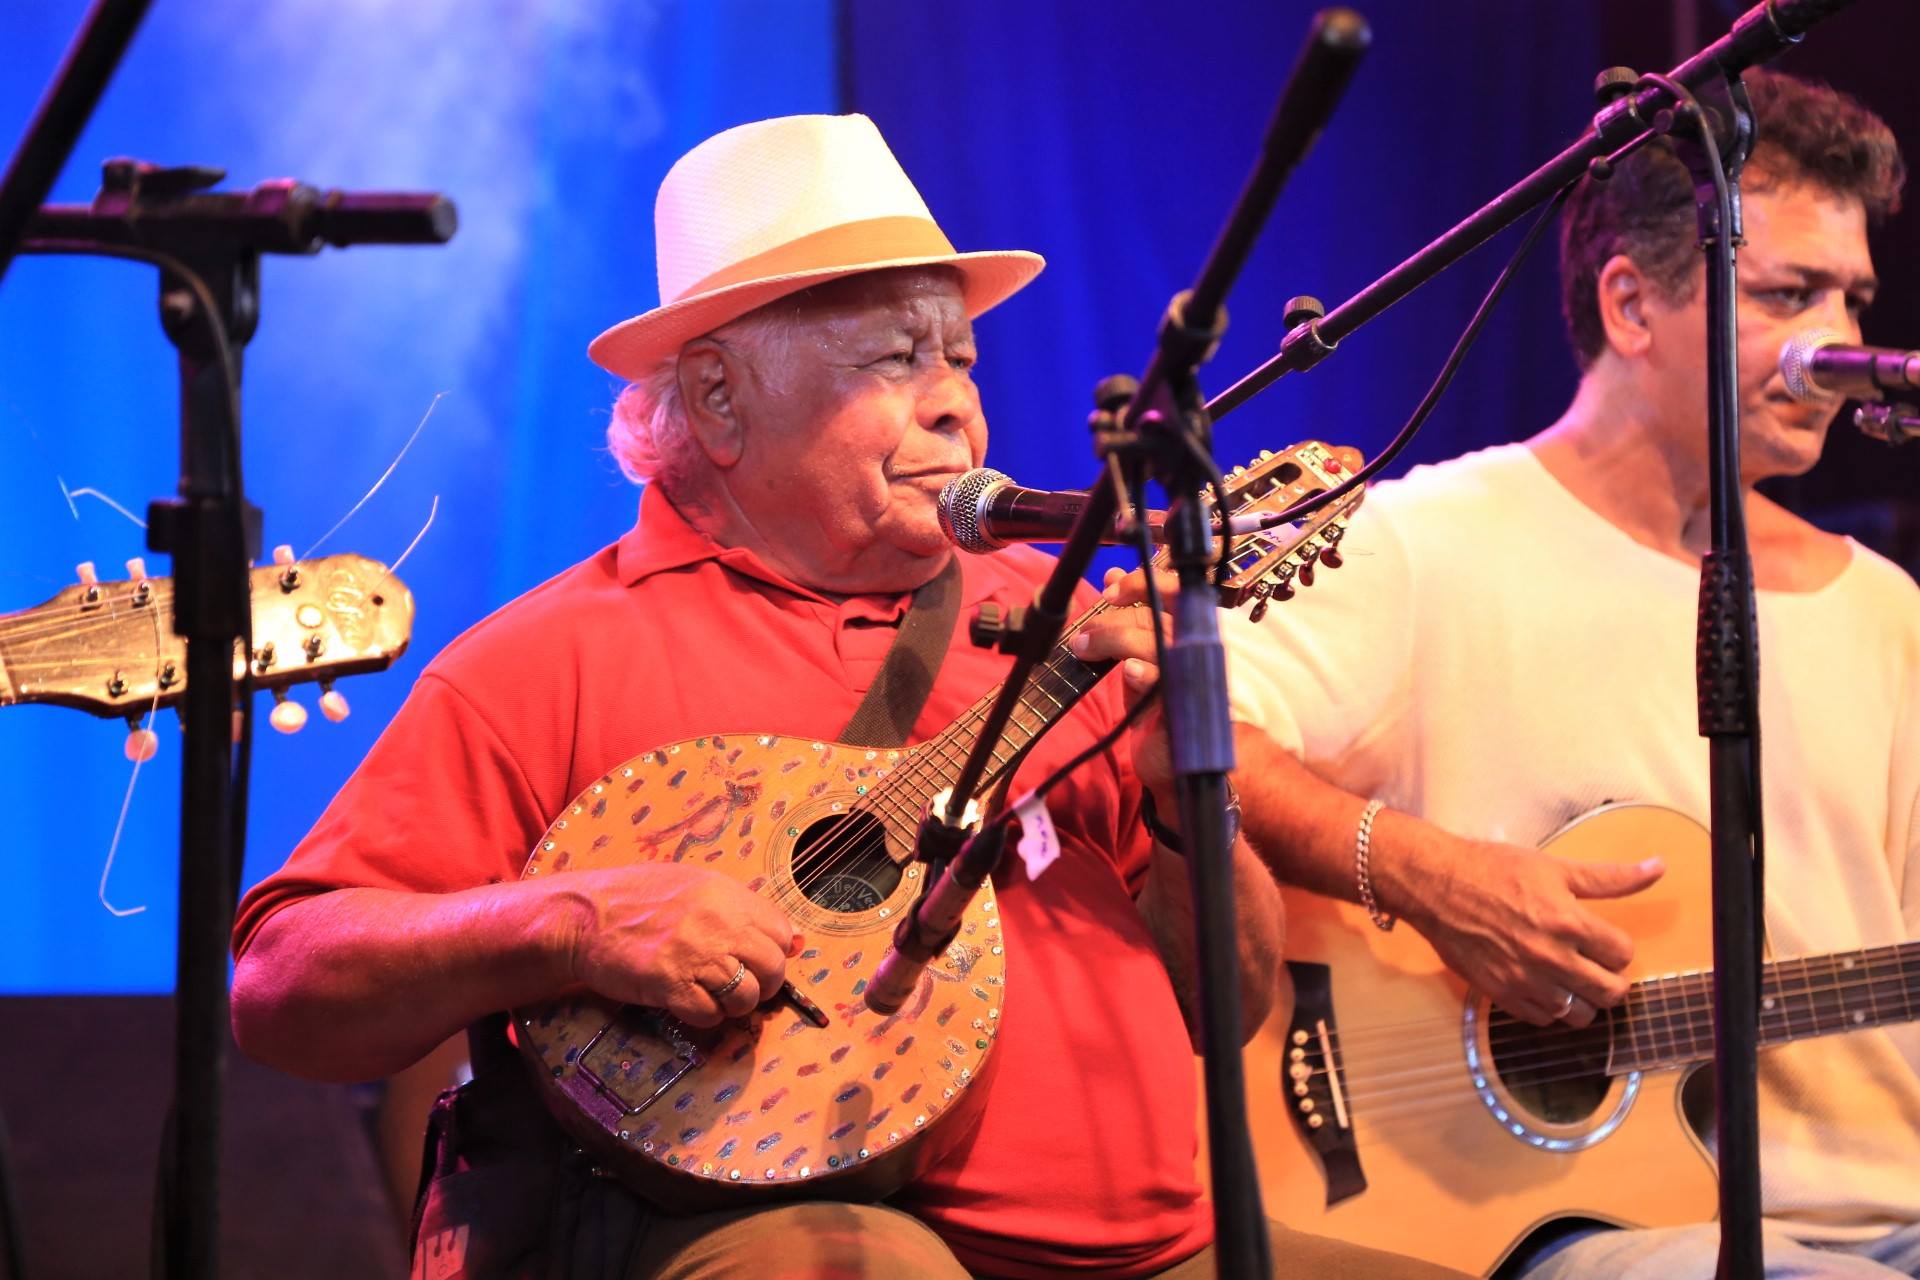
108, 648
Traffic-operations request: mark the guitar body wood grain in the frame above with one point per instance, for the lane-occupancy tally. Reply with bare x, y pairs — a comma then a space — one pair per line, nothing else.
1446, 1177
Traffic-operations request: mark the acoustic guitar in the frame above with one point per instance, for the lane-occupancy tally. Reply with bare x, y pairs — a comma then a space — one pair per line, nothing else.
1390, 1106
814, 1094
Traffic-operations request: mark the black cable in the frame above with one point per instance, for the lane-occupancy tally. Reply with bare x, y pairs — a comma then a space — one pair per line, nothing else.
1307, 506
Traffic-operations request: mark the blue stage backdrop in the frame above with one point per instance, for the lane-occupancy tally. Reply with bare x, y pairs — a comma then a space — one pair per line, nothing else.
1113, 138
551, 125
1110, 136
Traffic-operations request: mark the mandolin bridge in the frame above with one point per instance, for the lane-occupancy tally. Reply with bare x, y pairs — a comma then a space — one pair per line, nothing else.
1315, 1082
637, 1056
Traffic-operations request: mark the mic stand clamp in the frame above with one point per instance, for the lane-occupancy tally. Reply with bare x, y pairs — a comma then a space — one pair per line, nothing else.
1891, 423
955, 866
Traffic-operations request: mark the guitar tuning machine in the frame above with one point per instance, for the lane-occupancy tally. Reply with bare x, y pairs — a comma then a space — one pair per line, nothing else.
1309, 555
1259, 592
1331, 557
333, 703
137, 573
287, 715
142, 744
289, 571
90, 579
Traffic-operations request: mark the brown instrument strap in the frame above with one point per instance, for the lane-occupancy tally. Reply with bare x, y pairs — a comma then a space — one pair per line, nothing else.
885, 716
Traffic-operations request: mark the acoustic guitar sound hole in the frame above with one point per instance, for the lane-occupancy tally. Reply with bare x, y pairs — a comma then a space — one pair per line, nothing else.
841, 863
1557, 1073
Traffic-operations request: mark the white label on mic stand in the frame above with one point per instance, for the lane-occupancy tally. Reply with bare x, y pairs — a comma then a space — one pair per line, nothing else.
1039, 846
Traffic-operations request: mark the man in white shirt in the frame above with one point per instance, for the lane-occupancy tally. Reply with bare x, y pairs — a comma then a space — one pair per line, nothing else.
1511, 645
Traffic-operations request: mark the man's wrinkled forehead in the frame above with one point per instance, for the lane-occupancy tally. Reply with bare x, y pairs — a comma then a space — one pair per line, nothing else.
900, 298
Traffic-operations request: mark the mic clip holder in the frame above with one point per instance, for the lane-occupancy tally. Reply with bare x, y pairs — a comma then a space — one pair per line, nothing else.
1000, 627
941, 833
958, 857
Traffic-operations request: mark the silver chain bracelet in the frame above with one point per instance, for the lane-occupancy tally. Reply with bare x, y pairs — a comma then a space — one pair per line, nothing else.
1362, 849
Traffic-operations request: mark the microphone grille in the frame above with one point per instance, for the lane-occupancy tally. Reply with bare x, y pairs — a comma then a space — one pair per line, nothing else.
961, 503
1796, 353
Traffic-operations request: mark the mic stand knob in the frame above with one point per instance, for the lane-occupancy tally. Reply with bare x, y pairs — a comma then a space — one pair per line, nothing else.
1893, 423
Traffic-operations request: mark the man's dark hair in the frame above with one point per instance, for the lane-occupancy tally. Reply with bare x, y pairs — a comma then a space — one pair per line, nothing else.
1804, 133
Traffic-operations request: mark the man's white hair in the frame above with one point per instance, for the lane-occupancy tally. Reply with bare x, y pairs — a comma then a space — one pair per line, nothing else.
650, 436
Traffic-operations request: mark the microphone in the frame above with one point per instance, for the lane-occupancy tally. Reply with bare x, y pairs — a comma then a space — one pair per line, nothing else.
1820, 363
984, 510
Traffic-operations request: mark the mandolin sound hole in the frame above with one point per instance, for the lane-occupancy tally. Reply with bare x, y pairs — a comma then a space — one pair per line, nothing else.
1557, 1073
841, 863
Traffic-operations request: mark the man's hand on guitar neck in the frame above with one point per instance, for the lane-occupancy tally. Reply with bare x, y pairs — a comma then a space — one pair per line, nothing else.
1507, 919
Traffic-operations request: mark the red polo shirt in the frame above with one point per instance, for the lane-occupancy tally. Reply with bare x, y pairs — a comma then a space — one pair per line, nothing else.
1083, 1157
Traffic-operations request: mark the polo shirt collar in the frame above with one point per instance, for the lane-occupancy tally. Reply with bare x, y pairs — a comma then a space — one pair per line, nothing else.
662, 539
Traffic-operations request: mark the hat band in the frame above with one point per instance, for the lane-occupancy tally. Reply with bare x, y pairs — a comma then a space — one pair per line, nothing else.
850, 245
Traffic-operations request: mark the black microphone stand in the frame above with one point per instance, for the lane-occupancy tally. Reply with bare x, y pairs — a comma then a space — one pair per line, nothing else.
1727, 673
1166, 431
208, 247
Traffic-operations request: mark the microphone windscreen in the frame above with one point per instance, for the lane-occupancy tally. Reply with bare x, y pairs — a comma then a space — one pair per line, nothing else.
1796, 361
960, 506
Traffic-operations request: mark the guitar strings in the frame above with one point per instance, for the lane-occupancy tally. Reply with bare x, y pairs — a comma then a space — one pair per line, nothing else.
1687, 1012
947, 753
60, 625
1377, 1085
1883, 971
944, 751
1409, 1101
1659, 999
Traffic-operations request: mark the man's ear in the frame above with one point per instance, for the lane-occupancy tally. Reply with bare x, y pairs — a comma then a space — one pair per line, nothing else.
707, 391
1622, 293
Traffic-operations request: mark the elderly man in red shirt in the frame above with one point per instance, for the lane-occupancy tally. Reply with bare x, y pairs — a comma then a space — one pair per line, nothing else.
797, 403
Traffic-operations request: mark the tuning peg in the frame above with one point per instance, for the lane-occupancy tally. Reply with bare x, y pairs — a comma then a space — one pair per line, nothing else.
287, 715
289, 571
1331, 558
86, 572
142, 744
136, 568
333, 703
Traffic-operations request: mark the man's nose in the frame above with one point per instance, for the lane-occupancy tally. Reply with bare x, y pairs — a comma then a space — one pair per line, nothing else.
948, 400
1836, 315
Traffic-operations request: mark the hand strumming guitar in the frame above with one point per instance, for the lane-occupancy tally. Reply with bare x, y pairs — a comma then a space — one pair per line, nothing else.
685, 939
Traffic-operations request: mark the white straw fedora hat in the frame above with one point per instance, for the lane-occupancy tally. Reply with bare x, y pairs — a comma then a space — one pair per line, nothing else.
770, 208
